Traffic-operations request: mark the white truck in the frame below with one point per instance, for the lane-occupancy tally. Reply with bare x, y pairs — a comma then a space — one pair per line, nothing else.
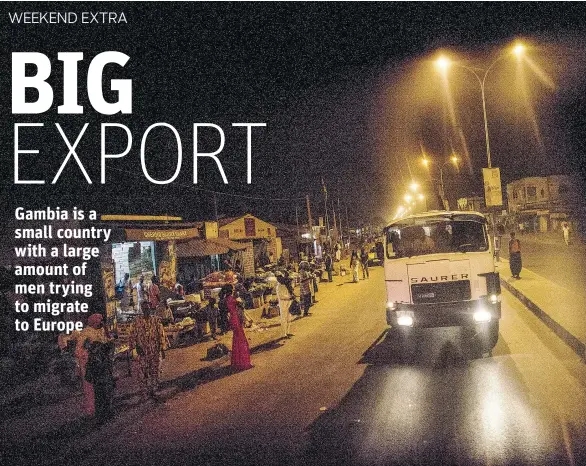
439, 272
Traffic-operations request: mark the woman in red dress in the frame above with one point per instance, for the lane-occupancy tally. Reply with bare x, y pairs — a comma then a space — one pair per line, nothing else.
240, 351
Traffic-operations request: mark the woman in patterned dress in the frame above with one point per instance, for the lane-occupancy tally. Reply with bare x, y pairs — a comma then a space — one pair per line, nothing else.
147, 337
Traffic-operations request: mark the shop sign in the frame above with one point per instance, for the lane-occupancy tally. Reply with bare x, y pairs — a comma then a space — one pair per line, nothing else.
492, 187
160, 235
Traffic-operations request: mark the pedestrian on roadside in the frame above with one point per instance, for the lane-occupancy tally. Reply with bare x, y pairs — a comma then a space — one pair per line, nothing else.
305, 286
354, 262
154, 294
285, 299
240, 359
93, 332
147, 337
223, 320
566, 230
126, 288
140, 293
100, 373
329, 264
515, 256
212, 314
364, 262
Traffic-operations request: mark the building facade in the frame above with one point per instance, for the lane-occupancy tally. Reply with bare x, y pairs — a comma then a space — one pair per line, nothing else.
543, 203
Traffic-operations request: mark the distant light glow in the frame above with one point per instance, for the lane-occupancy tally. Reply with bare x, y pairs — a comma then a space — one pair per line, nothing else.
519, 50
443, 64
408, 197
425, 162
414, 186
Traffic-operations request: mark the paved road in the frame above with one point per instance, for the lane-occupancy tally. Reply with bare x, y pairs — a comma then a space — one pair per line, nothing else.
547, 255
340, 392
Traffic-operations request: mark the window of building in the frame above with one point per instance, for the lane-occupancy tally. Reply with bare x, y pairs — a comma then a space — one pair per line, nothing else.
531, 192
542, 192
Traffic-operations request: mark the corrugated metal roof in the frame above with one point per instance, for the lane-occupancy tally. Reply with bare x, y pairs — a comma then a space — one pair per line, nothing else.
233, 245
207, 247
200, 248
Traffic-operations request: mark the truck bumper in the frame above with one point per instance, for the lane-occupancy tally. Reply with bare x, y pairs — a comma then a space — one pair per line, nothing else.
454, 314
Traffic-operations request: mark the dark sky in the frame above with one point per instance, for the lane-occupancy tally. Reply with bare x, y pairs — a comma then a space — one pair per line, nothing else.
324, 77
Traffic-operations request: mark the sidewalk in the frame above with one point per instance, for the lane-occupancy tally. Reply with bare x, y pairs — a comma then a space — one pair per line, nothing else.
55, 411
561, 309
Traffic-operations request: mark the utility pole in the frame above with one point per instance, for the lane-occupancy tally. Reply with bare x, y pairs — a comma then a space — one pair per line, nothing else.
347, 224
309, 220
215, 208
336, 236
326, 208
340, 217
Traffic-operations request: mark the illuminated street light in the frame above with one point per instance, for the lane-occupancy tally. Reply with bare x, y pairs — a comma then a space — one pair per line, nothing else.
454, 158
421, 197
414, 186
443, 63
408, 197
425, 162
519, 50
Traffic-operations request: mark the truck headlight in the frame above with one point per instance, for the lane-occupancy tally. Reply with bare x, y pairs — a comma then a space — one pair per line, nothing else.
494, 298
391, 305
482, 315
405, 318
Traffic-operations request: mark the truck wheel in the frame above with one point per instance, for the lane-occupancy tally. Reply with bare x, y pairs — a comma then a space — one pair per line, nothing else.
488, 337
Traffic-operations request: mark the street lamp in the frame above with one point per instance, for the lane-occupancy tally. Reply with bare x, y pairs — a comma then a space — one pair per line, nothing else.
453, 160
443, 64
422, 198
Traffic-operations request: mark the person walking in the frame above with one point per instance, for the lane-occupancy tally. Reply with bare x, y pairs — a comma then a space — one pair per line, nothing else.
140, 295
329, 264
285, 299
147, 337
240, 359
305, 286
354, 261
212, 314
364, 262
566, 230
154, 294
223, 320
515, 256
126, 288
100, 373
93, 332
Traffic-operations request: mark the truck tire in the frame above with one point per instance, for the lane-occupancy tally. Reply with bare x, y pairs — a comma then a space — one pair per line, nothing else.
488, 337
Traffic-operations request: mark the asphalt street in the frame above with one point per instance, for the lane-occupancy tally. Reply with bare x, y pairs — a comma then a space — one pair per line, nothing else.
547, 255
344, 391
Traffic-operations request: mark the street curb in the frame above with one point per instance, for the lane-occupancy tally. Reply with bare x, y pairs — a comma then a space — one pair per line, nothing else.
574, 343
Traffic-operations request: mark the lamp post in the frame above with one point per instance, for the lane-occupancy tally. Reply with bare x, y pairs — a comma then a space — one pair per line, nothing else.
453, 160
444, 63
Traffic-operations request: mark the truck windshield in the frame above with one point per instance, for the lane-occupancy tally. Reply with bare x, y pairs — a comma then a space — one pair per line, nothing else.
435, 237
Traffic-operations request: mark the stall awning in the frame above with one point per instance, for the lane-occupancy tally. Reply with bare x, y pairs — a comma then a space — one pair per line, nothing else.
200, 248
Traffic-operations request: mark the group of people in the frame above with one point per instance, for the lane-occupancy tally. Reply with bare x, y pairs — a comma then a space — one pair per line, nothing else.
94, 350
359, 260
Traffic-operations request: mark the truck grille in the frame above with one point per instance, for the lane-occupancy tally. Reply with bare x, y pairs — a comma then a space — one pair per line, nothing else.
441, 292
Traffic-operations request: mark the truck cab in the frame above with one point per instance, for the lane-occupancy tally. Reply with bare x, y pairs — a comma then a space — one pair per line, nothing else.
439, 272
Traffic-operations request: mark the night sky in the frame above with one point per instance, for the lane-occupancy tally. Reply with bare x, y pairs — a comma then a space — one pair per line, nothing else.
347, 91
